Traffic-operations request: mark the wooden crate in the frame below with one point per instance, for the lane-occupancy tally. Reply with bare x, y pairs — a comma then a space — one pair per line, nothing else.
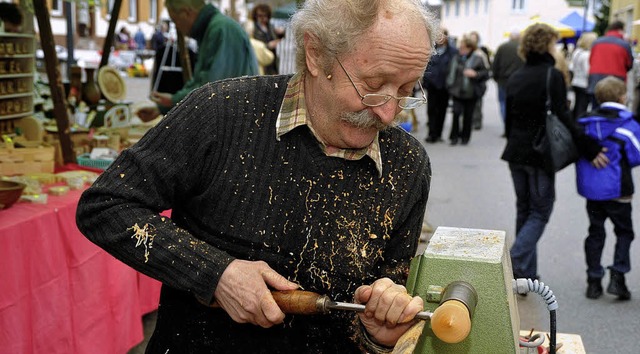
18, 161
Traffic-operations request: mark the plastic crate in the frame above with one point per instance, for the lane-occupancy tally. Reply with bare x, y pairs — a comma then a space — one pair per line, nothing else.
85, 160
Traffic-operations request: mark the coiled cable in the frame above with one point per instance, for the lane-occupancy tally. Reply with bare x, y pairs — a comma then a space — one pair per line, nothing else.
523, 286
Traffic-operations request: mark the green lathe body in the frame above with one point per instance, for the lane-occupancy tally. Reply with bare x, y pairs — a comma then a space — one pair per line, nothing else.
480, 258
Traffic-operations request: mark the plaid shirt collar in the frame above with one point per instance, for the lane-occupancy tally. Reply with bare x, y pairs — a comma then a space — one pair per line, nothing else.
293, 113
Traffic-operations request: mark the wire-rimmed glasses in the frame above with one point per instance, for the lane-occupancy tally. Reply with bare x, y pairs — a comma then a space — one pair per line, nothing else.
378, 99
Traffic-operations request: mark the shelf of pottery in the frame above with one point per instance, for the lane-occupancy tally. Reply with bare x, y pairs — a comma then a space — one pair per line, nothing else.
17, 65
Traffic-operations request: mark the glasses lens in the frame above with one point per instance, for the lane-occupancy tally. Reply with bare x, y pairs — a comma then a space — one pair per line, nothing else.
375, 100
410, 102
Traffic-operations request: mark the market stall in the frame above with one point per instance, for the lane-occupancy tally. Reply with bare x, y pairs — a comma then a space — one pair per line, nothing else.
61, 293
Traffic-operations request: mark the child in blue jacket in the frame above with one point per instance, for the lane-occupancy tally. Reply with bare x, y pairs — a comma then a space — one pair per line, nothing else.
609, 190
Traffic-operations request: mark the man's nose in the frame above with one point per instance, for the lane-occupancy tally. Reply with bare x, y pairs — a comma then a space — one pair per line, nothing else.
388, 111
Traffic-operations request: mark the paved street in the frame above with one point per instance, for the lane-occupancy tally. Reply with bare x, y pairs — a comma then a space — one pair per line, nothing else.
471, 187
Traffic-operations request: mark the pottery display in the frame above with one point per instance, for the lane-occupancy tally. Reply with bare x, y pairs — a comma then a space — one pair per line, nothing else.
111, 84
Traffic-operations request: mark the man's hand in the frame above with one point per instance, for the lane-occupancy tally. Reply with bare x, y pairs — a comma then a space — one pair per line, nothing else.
273, 44
470, 73
389, 310
162, 98
243, 291
147, 114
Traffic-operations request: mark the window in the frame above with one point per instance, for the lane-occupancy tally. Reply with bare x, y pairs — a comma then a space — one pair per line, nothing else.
518, 5
466, 7
446, 8
56, 7
457, 11
476, 8
153, 11
133, 10
486, 7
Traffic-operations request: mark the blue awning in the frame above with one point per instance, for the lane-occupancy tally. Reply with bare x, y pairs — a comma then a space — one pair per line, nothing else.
578, 23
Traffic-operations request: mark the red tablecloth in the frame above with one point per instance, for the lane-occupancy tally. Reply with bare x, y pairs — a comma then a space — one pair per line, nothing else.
59, 293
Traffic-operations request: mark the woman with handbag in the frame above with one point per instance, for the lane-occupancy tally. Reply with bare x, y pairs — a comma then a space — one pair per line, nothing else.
532, 171
466, 83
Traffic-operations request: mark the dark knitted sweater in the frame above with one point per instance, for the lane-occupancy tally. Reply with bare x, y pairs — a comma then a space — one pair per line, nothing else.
326, 223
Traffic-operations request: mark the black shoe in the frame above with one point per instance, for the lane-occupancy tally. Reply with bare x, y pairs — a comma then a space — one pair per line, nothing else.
465, 142
594, 289
617, 286
432, 139
453, 142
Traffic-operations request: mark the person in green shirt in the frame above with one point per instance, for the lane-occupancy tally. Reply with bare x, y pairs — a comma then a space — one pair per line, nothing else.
224, 50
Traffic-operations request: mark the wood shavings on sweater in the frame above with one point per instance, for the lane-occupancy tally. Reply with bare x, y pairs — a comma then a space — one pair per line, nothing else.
144, 236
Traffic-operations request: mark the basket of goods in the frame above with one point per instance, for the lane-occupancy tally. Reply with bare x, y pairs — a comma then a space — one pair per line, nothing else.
86, 160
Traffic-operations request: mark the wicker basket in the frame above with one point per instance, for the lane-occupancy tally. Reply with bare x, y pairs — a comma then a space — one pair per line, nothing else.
10, 192
86, 160
19, 161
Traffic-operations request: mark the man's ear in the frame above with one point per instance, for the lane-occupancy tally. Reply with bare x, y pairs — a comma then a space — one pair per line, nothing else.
312, 54
190, 13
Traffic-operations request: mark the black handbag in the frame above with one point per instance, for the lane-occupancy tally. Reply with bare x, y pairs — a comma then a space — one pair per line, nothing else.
554, 141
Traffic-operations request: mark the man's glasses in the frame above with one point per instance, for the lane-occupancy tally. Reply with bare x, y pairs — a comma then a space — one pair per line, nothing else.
377, 99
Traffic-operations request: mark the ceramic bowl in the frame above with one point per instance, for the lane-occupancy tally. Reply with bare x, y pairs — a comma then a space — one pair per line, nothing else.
10, 192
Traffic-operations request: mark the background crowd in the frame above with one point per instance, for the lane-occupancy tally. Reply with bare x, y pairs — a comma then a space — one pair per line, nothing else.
456, 82
585, 87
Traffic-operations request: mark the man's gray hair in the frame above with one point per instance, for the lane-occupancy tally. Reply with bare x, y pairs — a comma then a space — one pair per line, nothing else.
338, 24
181, 4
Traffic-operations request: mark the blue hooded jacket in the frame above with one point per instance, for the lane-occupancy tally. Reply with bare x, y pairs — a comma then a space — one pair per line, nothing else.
614, 127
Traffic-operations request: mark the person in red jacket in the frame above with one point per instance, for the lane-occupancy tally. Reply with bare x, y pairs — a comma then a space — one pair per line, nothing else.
610, 56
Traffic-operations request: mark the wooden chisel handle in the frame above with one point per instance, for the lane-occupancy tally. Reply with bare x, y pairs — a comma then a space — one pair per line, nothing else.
297, 302
300, 302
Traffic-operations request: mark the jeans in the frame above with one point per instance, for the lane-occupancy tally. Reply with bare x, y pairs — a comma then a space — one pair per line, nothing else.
502, 99
620, 215
535, 195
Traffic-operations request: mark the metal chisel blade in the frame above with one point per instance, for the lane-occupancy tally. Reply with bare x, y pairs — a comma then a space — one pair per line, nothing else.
335, 305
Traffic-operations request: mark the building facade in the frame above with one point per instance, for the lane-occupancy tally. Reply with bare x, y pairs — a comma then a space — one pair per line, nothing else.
627, 11
90, 18
495, 19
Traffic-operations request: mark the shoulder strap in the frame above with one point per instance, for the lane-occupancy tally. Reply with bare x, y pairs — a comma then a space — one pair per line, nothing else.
548, 101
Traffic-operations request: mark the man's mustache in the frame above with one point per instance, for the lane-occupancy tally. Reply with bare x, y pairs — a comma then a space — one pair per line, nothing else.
363, 119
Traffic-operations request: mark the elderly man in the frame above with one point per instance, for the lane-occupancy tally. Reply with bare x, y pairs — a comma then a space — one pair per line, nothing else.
224, 50
278, 183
